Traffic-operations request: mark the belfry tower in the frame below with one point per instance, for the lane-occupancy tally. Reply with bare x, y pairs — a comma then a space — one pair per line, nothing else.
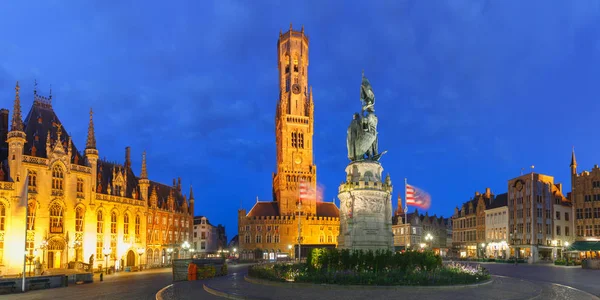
294, 124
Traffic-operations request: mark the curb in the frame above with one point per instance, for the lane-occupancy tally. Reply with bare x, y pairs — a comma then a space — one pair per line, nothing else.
362, 287
219, 293
161, 291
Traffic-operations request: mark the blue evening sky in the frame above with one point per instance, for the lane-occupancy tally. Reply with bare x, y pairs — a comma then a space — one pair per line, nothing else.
468, 92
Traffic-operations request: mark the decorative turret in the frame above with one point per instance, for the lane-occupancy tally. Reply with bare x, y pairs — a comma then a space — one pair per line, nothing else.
16, 138
573, 163
91, 154
154, 198
127, 158
144, 183
184, 205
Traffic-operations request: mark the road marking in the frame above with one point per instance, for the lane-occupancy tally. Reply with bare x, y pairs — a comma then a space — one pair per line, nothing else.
159, 294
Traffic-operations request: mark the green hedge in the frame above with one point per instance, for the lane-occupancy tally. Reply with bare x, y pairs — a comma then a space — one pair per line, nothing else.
332, 266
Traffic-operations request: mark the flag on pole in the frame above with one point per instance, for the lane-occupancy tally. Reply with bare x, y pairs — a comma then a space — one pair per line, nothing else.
417, 197
307, 192
23, 203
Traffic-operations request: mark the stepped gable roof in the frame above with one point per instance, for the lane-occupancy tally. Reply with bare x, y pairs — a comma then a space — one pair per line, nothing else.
39, 120
327, 209
163, 191
105, 173
264, 209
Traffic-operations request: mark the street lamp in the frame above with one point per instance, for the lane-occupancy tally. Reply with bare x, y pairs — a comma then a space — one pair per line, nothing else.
30, 259
429, 238
140, 251
483, 250
564, 249
106, 251
169, 251
185, 247
43, 246
290, 250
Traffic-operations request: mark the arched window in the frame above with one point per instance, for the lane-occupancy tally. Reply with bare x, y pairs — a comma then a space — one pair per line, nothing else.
32, 181
31, 216
113, 222
57, 180
56, 218
138, 222
79, 219
126, 224
149, 256
100, 225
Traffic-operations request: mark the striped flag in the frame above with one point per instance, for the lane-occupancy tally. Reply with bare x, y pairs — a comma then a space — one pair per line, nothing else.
307, 192
417, 197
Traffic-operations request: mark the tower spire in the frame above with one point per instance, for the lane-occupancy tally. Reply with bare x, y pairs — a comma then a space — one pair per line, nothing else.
91, 138
144, 174
17, 121
573, 160
191, 194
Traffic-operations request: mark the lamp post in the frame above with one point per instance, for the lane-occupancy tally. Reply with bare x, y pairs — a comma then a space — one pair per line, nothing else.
235, 252
106, 251
290, 250
169, 251
43, 246
140, 252
185, 247
429, 238
564, 249
30, 259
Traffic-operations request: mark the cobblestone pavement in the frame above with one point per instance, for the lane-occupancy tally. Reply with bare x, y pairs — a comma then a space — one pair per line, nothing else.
135, 285
583, 279
500, 288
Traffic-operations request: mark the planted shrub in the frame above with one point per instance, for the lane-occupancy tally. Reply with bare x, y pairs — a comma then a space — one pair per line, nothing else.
334, 266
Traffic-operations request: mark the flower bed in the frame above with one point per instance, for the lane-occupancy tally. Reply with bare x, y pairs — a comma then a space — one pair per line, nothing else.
372, 268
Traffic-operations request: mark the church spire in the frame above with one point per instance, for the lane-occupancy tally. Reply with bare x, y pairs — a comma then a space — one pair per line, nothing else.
144, 174
573, 162
91, 138
17, 121
191, 194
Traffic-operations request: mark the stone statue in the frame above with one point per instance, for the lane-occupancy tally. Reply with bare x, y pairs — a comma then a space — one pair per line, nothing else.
361, 139
92, 261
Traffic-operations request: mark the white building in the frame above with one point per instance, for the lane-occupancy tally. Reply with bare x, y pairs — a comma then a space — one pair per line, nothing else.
205, 240
563, 226
496, 228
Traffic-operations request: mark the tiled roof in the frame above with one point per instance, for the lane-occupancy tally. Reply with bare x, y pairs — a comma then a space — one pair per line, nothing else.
163, 191
38, 122
499, 201
327, 209
264, 209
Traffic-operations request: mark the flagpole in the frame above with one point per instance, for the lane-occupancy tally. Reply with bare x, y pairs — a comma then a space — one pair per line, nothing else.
24, 194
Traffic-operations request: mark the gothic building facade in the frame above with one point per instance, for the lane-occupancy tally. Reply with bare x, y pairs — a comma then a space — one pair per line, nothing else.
275, 226
78, 207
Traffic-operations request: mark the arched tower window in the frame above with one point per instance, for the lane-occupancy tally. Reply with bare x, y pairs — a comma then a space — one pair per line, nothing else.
57, 181
100, 224
79, 213
56, 218
113, 222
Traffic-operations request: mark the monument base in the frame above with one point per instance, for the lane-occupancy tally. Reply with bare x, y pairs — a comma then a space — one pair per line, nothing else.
365, 208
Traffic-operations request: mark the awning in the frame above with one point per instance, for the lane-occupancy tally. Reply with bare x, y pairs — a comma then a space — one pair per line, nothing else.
585, 246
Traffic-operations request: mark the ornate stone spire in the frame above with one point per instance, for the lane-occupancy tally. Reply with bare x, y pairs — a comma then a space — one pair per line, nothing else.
144, 174
573, 160
17, 121
191, 194
91, 138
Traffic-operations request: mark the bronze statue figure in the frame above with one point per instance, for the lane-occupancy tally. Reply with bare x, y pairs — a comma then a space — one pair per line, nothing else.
361, 140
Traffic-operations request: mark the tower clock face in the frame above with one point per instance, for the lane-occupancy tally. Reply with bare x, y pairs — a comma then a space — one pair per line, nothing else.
519, 186
298, 160
296, 88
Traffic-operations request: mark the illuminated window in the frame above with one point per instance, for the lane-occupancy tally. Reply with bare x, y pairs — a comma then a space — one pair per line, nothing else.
99, 247
100, 224
31, 216
113, 222
56, 218
32, 181
126, 224
79, 219
79, 185
57, 180
137, 225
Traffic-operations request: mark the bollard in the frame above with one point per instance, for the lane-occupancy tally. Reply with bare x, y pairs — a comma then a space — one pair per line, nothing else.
66, 280
101, 276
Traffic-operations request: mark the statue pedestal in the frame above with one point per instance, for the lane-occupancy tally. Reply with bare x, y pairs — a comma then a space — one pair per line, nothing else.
365, 208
